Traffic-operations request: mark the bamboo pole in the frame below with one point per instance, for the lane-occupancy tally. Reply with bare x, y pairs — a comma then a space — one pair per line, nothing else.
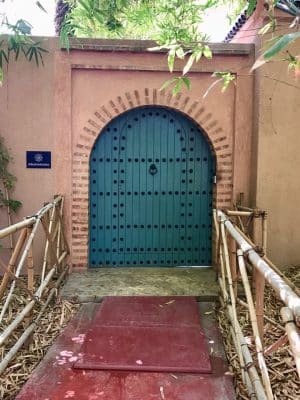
216, 225
227, 264
264, 232
9, 220
268, 261
249, 364
237, 213
258, 280
276, 345
255, 327
12, 261
37, 219
58, 245
49, 241
231, 290
16, 227
66, 245
293, 335
233, 265
30, 329
283, 291
16, 322
14, 277
30, 268
243, 208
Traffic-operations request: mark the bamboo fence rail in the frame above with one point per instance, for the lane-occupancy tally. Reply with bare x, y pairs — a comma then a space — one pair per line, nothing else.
239, 259
48, 221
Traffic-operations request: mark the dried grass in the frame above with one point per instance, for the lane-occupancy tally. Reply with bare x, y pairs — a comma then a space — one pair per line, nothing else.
50, 326
281, 365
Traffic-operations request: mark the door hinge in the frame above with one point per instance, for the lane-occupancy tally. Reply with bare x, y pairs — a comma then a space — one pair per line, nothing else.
215, 179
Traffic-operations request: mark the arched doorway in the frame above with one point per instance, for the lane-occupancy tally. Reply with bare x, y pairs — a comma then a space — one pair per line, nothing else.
150, 200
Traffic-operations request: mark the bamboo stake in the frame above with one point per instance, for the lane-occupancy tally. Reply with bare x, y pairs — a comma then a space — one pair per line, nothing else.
233, 264
243, 208
258, 281
30, 268
49, 241
231, 290
14, 277
9, 220
255, 327
58, 246
293, 335
264, 232
238, 349
66, 245
25, 252
237, 213
16, 322
30, 329
16, 227
267, 260
227, 264
250, 366
12, 261
276, 345
222, 269
216, 225
283, 291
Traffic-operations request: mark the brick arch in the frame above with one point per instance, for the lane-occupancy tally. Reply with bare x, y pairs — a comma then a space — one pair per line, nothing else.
220, 143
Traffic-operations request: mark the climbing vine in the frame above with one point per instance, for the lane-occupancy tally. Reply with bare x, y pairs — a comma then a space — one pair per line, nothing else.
7, 179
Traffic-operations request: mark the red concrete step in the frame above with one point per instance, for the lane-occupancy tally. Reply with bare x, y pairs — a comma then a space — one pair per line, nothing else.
158, 334
55, 379
148, 311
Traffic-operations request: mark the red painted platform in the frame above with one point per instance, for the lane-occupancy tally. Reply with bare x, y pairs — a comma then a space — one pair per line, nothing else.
158, 334
55, 379
176, 311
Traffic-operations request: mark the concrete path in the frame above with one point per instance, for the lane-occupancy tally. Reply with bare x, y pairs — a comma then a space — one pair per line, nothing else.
93, 285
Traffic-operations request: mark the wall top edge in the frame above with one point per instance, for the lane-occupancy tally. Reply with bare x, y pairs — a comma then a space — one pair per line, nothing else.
136, 46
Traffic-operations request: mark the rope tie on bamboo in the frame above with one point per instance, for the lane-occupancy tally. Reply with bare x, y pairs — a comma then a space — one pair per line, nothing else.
247, 366
260, 251
289, 321
246, 252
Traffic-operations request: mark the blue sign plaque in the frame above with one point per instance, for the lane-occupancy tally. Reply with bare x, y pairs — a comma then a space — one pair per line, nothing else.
38, 159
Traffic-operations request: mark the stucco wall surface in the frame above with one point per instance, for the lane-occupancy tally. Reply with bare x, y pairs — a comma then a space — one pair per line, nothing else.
278, 164
63, 106
276, 142
26, 123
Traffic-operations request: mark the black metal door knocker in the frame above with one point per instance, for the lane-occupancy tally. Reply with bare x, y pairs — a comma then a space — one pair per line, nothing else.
153, 169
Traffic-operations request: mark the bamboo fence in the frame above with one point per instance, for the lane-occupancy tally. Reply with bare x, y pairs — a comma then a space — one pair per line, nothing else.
40, 284
243, 271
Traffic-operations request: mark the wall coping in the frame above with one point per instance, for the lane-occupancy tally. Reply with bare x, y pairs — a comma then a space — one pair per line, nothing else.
140, 46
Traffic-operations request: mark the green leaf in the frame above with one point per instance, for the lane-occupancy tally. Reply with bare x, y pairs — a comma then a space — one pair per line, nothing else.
207, 52
283, 42
265, 28
168, 83
177, 87
251, 7
171, 59
187, 82
198, 54
189, 64
180, 53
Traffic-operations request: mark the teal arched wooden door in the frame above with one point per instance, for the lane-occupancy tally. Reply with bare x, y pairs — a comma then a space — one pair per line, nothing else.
151, 177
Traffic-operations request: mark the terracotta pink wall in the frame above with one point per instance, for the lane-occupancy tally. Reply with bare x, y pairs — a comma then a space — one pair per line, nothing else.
65, 105
276, 143
26, 123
